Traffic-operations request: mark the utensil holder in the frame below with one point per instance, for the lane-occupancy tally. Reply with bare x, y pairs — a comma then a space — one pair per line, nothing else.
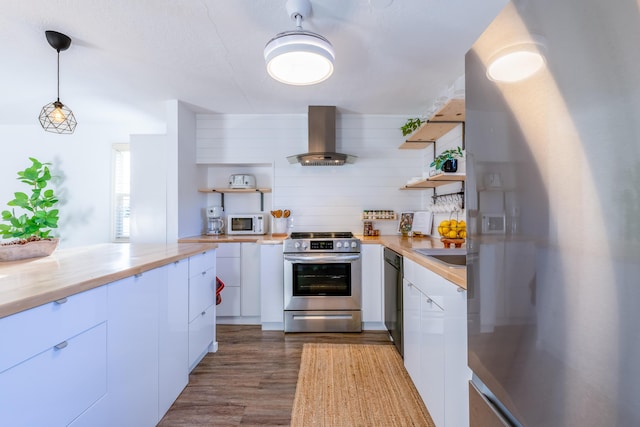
281, 226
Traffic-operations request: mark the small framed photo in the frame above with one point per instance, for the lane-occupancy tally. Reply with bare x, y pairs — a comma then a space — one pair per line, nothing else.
405, 225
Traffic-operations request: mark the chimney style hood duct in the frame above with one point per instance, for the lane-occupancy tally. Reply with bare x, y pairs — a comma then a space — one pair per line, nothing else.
322, 140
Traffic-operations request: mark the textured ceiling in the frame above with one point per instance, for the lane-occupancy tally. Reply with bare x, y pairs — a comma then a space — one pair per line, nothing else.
128, 56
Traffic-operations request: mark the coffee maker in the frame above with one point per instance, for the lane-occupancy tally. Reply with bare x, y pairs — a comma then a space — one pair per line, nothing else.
215, 223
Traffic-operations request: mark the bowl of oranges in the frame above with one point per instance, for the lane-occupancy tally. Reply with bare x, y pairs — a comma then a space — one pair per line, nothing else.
452, 232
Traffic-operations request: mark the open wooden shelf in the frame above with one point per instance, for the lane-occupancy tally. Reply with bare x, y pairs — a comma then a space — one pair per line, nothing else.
222, 192
234, 190
443, 121
448, 177
435, 181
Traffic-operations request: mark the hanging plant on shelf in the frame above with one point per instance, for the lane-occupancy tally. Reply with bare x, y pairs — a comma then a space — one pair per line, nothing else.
39, 218
411, 125
445, 156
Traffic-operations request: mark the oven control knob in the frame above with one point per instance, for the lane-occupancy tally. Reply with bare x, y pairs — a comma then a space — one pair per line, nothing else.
354, 245
304, 245
297, 245
339, 245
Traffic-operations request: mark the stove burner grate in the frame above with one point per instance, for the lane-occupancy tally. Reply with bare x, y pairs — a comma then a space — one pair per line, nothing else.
321, 235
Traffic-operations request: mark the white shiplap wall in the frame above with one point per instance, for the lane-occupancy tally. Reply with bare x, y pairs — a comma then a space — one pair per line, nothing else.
320, 198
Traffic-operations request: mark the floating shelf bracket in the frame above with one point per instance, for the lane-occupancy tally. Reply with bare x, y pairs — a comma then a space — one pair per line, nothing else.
222, 191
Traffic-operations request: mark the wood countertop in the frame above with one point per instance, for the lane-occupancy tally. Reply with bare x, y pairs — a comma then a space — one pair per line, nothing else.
402, 245
32, 282
405, 246
265, 239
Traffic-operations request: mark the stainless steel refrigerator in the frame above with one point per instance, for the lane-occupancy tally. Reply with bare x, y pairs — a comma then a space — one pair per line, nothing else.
553, 209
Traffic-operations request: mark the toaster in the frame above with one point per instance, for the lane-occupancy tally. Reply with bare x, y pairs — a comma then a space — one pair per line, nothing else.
242, 181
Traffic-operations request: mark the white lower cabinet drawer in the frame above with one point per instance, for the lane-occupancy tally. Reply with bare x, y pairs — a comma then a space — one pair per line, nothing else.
96, 416
32, 331
201, 334
201, 262
55, 386
202, 292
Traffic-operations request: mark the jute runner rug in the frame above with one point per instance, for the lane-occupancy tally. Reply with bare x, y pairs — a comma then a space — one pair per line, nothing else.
355, 385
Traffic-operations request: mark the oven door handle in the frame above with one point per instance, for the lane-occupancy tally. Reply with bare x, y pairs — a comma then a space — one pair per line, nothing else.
316, 258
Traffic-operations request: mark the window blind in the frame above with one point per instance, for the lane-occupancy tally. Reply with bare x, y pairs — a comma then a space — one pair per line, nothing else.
121, 193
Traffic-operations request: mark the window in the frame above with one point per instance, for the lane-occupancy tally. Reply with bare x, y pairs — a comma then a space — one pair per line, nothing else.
121, 207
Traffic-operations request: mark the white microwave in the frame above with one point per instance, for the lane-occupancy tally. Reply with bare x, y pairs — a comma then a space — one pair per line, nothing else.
246, 224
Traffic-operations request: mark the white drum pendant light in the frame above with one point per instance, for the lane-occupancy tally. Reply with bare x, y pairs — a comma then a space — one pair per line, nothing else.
518, 61
299, 57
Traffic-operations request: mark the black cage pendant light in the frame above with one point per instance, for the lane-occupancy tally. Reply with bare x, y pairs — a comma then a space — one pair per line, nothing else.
55, 116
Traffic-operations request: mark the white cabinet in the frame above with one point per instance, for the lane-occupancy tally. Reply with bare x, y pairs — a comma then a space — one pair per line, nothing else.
424, 348
228, 269
173, 334
53, 361
118, 354
435, 343
239, 268
372, 303
133, 306
250, 279
411, 331
202, 308
271, 287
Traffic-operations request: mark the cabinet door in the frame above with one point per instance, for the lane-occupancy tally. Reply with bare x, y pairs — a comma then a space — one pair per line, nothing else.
443, 341
230, 305
457, 372
250, 279
201, 334
271, 287
432, 351
228, 263
228, 250
173, 334
372, 304
411, 332
228, 270
133, 349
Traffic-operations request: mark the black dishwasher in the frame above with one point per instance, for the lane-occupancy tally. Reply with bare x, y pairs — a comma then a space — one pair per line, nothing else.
393, 296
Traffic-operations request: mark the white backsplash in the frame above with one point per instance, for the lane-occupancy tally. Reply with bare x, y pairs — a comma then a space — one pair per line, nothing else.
320, 198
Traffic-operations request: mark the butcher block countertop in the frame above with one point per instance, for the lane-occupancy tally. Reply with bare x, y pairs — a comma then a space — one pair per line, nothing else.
405, 245
265, 239
402, 245
32, 282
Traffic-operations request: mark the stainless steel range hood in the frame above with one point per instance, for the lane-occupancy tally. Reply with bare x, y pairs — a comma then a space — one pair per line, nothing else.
322, 140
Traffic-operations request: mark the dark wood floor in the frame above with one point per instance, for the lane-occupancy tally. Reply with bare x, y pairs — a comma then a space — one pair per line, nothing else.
251, 379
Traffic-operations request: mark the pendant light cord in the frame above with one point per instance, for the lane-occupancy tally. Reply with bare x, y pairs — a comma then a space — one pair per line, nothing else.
58, 50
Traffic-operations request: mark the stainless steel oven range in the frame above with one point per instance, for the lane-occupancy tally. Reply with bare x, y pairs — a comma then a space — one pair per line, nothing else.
322, 283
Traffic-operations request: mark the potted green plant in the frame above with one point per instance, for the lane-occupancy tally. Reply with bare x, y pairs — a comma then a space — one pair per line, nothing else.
31, 229
411, 125
447, 160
